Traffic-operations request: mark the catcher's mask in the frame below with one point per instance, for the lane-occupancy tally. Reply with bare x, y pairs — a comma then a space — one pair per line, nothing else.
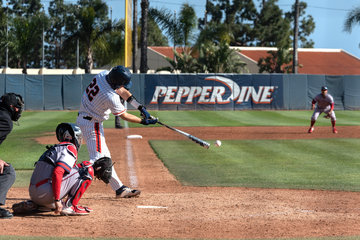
69, 132
119, 76
10, 101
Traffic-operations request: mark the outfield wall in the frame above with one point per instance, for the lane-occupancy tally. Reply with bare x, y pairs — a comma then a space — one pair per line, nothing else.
192, 91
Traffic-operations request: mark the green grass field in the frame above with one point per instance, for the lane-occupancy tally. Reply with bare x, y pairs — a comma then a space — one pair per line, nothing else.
300, 164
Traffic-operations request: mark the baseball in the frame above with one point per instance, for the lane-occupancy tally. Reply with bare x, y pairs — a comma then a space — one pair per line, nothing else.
218, 143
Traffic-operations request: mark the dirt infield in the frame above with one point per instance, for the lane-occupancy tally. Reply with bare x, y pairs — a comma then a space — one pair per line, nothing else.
196, 212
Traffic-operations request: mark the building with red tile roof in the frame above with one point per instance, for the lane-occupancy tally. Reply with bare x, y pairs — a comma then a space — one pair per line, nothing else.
311, 60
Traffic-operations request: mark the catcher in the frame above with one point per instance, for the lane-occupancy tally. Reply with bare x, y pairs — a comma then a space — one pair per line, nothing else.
100, 99
325, 104
57, 183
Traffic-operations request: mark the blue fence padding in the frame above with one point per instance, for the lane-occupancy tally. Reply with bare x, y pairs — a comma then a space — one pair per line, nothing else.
315, 82
2, 84
72, 91
53, 97
15, 84
296, 91
352, 92
34, 91
192, 91
336, 89
278, 102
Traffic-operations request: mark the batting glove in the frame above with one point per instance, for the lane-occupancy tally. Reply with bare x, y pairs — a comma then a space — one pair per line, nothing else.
151, 120
143, 112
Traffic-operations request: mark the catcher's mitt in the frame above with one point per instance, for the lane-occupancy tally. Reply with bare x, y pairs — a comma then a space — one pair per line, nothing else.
103, 169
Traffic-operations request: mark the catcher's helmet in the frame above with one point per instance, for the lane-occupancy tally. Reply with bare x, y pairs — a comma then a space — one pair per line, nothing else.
324, 88
119, 76
69, 132
11, 100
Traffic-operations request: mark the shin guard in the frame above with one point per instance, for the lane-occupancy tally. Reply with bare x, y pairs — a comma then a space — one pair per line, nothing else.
86, 175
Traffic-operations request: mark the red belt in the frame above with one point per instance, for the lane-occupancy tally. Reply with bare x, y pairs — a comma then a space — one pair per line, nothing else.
42, 182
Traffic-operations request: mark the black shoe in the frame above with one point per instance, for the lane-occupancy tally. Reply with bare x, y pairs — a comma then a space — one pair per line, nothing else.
5, 213
126, 192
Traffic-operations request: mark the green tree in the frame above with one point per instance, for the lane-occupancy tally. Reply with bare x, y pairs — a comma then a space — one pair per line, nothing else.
23, 33
93, 22
306, 25
219, 58
178, 29
25, 8
109, 48
237, 17
276, 62
352, 19
184, 62
155, 36
272, 29
3, 34
55, 34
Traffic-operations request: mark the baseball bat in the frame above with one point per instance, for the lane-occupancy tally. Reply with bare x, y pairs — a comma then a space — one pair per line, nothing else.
193, 138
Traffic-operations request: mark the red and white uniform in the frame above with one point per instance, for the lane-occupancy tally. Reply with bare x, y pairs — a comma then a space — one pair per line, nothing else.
324, 104
55, 175
98, 101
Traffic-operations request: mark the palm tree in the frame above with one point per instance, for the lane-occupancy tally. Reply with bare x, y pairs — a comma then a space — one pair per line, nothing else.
352, 19
184, 62
143, 35
106, 48
93, 22
178, 29
24, 32
219, 58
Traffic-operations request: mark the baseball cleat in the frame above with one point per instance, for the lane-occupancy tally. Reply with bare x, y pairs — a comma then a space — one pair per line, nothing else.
4, 214
126, 192
74, 211
334, 130
311, 129
83, 208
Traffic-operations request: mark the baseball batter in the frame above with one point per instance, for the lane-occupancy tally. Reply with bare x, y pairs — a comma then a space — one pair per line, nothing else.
324, 104
56, 176
100, 99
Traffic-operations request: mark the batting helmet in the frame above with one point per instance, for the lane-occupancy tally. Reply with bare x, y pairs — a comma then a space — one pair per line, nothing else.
10, 101
119, 76
69, 132
324, 88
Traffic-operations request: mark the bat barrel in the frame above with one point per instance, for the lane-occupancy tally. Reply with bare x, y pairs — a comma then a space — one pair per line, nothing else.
193, 138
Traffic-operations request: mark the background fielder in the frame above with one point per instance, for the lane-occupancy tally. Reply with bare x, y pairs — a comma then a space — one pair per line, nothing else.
324, 104
99, 100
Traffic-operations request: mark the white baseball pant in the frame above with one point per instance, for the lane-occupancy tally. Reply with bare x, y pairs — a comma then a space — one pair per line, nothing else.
93, 133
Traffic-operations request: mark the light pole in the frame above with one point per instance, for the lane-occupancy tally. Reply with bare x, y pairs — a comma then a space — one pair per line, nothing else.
77, 43
43, 41
295, 43
7, 33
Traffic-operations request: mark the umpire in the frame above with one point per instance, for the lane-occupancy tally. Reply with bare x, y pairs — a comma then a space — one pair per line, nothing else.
11, 107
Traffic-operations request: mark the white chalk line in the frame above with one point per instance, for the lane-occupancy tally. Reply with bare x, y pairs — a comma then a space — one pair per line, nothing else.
152, 207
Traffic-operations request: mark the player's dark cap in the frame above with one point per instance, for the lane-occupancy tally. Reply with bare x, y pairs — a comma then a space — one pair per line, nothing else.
119, 76
324, 88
